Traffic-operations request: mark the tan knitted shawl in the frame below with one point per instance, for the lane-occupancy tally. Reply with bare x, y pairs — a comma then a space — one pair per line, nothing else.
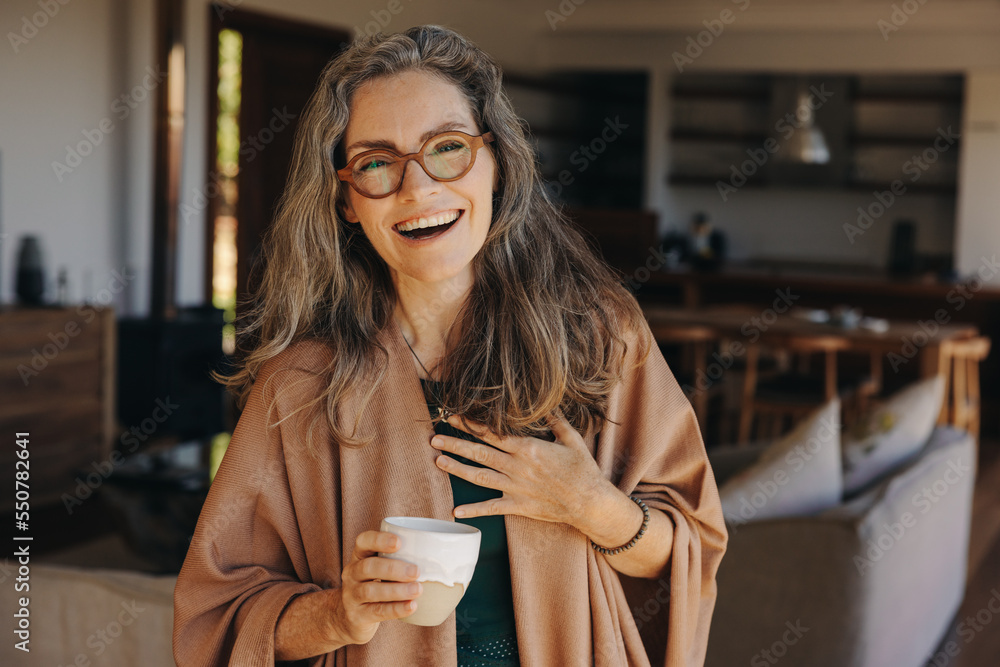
278, 523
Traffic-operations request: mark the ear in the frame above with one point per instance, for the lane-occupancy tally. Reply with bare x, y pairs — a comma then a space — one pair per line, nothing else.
346, 210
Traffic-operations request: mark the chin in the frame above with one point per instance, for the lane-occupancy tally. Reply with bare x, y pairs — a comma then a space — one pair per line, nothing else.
440, 274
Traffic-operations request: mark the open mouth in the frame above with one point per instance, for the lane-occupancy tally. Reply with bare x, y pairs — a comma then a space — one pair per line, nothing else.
425, 228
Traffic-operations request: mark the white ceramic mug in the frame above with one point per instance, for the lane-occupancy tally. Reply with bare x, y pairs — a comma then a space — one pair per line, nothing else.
445, 552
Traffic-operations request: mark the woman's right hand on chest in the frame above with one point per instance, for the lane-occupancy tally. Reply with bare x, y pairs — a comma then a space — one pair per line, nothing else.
374, 588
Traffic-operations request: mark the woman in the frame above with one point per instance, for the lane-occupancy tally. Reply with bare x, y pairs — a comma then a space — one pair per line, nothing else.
431, 336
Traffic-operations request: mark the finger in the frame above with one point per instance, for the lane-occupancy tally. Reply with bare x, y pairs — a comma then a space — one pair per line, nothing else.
478, 476
386, 611
506, 444
492, 507
375, 612
564, 431
379, 591
486, 455
481, 431
385, 569
370, 542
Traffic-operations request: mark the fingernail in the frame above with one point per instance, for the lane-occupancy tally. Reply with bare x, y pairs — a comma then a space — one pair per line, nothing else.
411, 571
414, 588
436, 441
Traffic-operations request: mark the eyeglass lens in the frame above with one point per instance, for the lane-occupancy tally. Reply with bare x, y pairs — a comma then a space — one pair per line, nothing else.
445, 157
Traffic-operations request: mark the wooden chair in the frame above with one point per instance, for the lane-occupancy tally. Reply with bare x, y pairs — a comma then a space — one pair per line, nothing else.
793, 395
696, 339
962, 381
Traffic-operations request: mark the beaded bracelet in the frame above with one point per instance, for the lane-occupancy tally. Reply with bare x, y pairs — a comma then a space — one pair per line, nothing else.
645, 522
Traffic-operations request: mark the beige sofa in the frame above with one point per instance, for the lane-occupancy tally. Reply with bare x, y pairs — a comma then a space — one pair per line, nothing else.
97, 617
873, 582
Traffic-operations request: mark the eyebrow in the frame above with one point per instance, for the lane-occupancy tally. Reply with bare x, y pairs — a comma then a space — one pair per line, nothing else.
370, 144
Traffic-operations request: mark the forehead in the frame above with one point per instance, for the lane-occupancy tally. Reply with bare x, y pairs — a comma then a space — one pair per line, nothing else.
401, 107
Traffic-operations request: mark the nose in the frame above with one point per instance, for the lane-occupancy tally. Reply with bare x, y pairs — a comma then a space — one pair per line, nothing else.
417, 184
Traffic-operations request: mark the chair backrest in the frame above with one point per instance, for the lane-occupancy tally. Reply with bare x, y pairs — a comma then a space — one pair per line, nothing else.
682, 333
814, 344
975, 349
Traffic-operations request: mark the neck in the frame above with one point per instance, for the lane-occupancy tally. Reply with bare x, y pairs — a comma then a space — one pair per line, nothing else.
426, 311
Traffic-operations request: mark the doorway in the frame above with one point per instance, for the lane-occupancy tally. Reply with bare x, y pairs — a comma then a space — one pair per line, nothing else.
263, 70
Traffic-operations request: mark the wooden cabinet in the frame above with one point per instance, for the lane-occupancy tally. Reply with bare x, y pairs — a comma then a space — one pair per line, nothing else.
57, 385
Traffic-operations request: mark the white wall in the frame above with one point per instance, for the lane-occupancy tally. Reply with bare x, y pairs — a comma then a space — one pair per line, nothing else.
60, 87
57, 85
808, 224
979, 171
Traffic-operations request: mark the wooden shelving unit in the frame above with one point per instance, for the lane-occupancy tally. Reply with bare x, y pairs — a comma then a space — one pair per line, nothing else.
716, 118
903, 118
568, 112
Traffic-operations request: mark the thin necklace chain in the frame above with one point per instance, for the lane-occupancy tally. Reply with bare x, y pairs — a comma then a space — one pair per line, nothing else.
417, 358
442, 413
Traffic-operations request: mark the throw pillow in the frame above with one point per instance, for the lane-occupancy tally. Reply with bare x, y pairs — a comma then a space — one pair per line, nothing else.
891, 433
798, 475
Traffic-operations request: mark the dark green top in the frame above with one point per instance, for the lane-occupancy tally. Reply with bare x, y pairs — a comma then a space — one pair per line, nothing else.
487, 608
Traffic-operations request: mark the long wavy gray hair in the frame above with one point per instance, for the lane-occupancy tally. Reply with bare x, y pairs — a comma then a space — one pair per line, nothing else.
542, 326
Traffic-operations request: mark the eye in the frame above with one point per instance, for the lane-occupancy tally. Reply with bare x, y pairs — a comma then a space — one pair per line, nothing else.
448, 147
372, 163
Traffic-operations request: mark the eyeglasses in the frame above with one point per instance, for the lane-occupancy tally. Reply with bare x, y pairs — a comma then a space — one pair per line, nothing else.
445, 157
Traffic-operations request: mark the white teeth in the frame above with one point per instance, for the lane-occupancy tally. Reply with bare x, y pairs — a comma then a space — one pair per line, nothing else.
433, 221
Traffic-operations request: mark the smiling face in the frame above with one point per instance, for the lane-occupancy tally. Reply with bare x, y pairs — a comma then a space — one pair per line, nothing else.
400, 112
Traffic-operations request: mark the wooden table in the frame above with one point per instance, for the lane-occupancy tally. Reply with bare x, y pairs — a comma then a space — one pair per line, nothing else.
926, 341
